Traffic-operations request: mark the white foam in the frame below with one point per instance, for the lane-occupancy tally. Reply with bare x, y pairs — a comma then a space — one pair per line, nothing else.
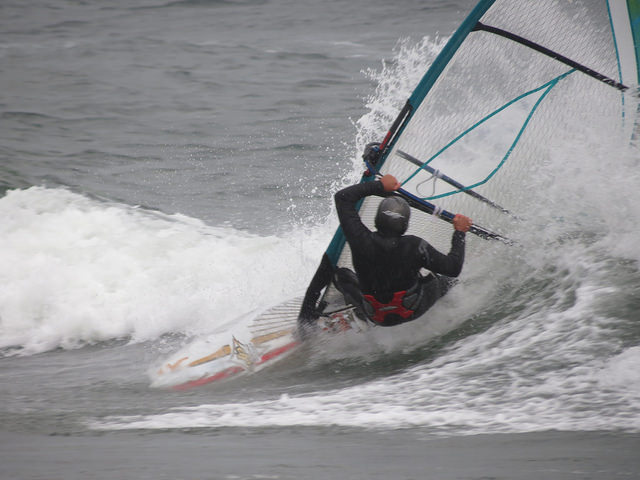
622, 372
77, 271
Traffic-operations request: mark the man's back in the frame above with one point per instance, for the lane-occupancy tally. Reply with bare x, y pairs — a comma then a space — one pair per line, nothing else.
386, 263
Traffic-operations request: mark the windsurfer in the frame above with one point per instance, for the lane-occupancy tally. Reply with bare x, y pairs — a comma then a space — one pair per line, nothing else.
387, 286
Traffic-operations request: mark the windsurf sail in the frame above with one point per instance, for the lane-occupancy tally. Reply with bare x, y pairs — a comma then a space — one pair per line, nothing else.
517, 78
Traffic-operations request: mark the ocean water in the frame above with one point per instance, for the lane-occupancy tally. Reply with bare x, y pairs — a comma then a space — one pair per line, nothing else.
167, 169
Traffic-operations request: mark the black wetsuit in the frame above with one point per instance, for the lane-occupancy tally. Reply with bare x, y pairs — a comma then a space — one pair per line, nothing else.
387, 265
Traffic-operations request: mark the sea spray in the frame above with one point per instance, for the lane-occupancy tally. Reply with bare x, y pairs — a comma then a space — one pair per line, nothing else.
78, 270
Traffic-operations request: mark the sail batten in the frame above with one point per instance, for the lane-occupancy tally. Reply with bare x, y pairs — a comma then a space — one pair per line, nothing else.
550, 53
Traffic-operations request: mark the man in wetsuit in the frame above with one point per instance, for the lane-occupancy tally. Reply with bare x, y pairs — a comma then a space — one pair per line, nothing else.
387, 285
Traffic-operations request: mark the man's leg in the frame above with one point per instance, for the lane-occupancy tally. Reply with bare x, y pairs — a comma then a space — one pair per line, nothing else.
346, 281
433, 287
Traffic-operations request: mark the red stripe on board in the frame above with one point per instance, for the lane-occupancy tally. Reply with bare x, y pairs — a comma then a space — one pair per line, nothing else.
233, 370
278, 351
203, 381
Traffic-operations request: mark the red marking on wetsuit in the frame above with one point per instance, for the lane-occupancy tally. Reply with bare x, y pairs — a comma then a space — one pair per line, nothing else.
395, 306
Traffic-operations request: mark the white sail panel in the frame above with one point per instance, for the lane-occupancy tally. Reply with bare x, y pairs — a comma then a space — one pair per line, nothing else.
497, 109
515, 83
